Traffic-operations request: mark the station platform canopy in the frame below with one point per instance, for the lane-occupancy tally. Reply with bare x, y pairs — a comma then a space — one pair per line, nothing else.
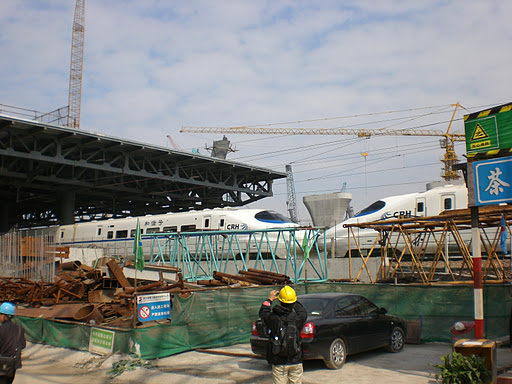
54, 174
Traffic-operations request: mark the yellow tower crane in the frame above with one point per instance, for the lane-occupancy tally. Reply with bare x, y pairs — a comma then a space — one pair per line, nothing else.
450, 157
77, 59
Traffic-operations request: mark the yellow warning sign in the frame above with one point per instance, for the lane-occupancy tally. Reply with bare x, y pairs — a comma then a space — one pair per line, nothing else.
479, 133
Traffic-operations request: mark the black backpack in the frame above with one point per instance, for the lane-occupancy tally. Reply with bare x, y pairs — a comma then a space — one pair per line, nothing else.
286, 340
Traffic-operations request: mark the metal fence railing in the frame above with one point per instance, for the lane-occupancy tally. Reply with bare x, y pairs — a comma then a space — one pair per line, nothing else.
58, 116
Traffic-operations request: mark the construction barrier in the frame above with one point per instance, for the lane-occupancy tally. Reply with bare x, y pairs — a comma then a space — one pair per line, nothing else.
214, 318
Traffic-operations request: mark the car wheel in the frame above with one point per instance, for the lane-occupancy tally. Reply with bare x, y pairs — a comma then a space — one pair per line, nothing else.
396, 340
337, 354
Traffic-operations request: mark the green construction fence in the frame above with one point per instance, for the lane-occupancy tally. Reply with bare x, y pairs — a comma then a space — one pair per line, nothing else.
221, 317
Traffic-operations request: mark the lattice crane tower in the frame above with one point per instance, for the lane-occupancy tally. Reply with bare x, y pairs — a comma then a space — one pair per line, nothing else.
292, 201
77, 59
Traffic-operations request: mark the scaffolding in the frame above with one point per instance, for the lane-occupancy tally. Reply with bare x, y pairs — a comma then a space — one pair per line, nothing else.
28, 257
434, 249
291, 251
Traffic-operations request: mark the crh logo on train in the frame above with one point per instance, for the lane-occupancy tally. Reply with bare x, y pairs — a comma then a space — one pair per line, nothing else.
235, 227
397, 214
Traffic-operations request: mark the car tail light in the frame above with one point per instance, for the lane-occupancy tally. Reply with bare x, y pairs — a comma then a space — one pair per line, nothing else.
308, 332
254, 329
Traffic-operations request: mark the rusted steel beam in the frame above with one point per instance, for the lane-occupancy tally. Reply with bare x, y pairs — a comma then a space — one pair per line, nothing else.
257, 277
142, 288
70, 293
115, 270
178, 285
277, 275
219, 275
211, 283
71, 265
22, 291
277, 278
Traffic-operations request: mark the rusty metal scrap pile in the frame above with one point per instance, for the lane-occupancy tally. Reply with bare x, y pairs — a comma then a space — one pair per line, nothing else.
93, 295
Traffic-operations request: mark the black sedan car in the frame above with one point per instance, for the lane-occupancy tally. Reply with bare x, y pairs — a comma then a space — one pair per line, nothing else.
340, 324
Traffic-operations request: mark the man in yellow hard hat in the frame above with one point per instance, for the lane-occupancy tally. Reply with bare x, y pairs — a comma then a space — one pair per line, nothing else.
285, 322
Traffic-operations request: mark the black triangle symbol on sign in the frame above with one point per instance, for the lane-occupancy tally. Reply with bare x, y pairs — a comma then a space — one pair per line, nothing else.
479, 133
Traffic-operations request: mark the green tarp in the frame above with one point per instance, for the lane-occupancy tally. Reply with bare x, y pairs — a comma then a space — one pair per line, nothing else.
214, 318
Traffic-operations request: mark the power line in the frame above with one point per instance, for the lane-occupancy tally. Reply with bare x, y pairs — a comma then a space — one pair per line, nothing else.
349, 116
361, 187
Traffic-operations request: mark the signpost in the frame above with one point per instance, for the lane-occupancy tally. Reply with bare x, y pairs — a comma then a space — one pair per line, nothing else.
488, 133
155, 306
489, 130
493, 181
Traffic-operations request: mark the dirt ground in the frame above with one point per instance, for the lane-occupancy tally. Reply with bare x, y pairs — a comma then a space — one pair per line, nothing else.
229, 365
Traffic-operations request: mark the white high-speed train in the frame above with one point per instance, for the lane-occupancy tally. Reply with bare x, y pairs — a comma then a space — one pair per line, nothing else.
429, 203
116, 236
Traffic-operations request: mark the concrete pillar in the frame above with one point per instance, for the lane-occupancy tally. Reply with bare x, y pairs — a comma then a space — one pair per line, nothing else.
5, 219
66, 207
329, 209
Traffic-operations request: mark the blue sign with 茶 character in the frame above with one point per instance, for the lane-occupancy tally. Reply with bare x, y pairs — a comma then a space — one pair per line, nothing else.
493, 181
156, 306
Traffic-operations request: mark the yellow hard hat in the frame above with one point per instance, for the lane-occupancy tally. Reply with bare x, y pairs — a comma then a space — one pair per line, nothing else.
287, 295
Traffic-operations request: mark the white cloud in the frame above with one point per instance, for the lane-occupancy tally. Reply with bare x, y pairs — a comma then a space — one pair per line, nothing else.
151, 67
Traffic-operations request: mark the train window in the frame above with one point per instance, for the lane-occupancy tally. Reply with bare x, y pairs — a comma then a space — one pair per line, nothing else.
132, 232
110, 235
122, 234
153, 230
448, 203
221, 224
372, 208
171, 229
271, 216
99, 231
188, 228
206, 223
61, 234
421, 206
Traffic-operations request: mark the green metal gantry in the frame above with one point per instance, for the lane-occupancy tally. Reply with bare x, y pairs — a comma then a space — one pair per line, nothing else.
291, 251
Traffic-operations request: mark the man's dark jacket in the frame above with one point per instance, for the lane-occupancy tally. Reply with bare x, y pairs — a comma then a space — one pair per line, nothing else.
270, 317
12, 340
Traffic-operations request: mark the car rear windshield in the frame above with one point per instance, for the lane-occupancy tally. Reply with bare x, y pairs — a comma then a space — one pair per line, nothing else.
314, 307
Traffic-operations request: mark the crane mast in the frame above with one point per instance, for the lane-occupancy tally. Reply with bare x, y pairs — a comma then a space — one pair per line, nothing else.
292, 201
76, 66
450, 157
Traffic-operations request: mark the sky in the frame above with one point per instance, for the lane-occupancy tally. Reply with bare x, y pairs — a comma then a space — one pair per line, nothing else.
151, 67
